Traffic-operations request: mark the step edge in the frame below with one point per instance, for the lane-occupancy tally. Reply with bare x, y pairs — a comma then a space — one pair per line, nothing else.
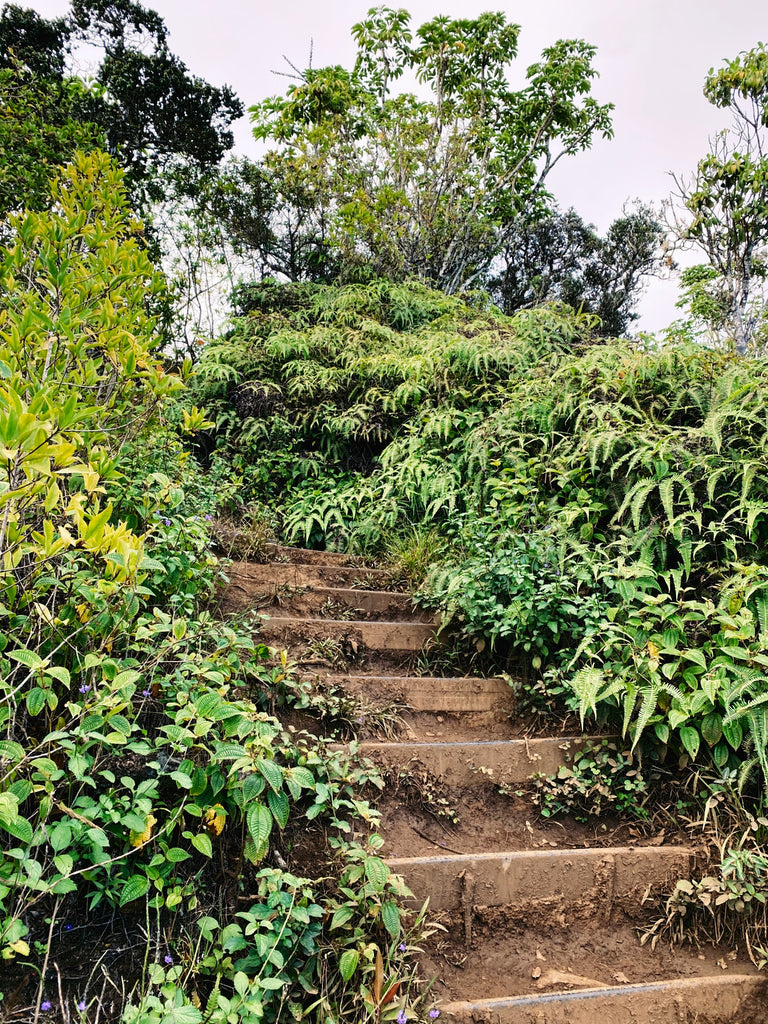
671, 985
396, 863
351, 622
497, 744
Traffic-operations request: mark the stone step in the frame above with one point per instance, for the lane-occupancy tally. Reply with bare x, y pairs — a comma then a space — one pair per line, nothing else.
251, 580
604, 875
325, 601
708, 1000
306, 556
432, 693
373, 634
480, 762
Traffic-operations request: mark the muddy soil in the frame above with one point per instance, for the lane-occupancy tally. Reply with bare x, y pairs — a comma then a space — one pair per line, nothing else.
421, 817
547, 948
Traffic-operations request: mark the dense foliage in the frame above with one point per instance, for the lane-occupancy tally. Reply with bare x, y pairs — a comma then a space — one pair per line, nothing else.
722, 210
150, 108
140, 767
401, 185
604, 501
592, 511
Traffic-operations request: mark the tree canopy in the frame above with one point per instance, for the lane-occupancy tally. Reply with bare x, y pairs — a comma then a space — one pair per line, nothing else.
725, 207
426, 183
560, 258
146, 101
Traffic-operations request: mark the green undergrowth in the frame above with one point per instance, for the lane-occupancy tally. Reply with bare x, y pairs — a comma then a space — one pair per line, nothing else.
169, 851
587, 513
591, 509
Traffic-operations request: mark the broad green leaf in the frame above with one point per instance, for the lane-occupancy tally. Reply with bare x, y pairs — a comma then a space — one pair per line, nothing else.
59, 673
11, 751
272, 772
690, 739
712, 728
175, 855
35, 700
390, 918
259, 821
18, 827
341, 916
134, 889
303, 776
733, 733
280, 807
348, 963
202, 842
377, 873
25, 657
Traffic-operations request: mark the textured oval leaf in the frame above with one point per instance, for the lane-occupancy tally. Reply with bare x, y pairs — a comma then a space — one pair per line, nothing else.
341, 916
303, 776
58, 672
19, 827
202, 842
35, 701
25, 657
134, 889
348, 963
175, 855
690, 739
10, 751
712, 728
390, 918
272, 772
259, 821
280, 807
377, 872
733, 733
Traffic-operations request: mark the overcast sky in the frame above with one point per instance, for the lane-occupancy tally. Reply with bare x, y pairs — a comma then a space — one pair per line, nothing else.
652, 58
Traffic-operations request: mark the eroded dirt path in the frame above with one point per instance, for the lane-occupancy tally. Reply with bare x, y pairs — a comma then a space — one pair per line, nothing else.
540, 917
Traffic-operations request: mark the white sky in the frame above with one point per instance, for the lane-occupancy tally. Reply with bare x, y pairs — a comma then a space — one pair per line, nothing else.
652, 58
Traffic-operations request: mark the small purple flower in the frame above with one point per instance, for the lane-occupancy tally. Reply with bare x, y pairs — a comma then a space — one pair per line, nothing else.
46, 1005
209, 518
402, 947
401, 1018
146, 693
434, 1014
168, 958
167, 522
85, 688
81, 1005
67, 927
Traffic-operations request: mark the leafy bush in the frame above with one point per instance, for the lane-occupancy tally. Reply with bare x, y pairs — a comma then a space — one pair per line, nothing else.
602, 778
136, 758
515, 588
601, 503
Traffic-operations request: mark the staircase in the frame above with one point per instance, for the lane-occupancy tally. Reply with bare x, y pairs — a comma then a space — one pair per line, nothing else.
540, 917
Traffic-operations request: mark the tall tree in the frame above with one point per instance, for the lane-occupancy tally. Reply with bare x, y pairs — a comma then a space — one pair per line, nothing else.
723, 209
560, 258
151, 108
40, 128
427, 187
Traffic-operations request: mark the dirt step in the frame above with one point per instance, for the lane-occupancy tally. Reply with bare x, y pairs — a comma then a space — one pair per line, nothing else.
603, 876
328, 602
430, 693
375, 635
501, 954
305, 556
476, 763
251, 582
734, 998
